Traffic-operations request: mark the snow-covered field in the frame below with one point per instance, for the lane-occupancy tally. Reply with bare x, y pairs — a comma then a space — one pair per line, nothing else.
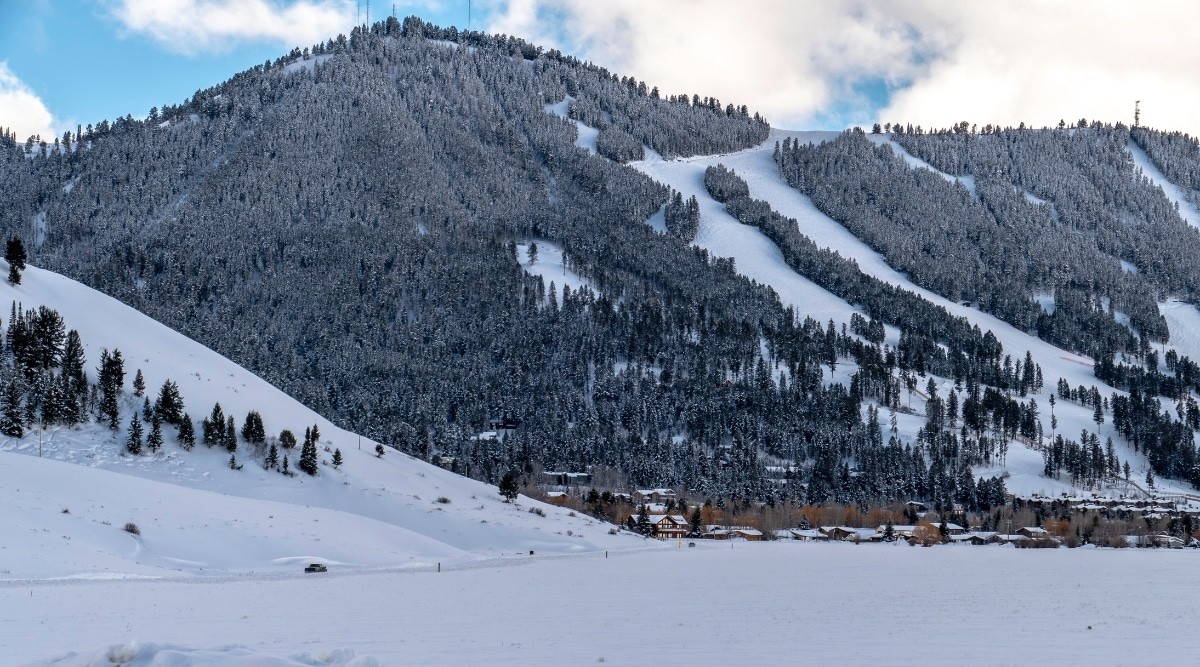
719, 603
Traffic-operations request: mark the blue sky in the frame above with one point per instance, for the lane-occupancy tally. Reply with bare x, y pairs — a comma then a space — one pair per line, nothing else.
805, 64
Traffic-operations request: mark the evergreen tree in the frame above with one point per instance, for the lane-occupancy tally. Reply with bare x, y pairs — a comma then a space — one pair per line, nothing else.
52, 407
12, 421
112, 379
133, 444
287, 440
147, 410
187, 432
154, 440
233, 464
643, 526
509, 488
695, 525
308, 457
252, 429
213, 428
169, 405
285, 469
73, 364
379, 451
231, 442
139, 384
15, 255
272, 459
337, 458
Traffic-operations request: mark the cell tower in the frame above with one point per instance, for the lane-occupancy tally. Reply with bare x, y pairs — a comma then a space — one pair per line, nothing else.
1137, 113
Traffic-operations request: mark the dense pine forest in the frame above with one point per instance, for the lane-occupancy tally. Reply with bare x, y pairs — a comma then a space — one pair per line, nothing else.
345, 222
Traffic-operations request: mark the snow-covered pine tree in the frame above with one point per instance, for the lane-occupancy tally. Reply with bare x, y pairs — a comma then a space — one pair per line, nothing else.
509, 486
252, 429
308, 457
154, 439
133, 444
15, 255
213, 427
12, 421
187, 432
169, 405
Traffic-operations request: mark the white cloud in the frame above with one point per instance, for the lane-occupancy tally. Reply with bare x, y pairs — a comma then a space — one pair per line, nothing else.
21, 109
1038, 62
195, 26
790, 60
943, 60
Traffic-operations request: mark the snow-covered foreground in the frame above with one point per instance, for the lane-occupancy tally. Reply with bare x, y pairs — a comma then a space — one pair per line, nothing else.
719, 603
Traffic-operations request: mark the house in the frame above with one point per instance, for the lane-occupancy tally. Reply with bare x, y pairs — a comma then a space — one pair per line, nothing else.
565, 479
1033, 532
556, 498
1168, 541
951, 528
783, 534
977, 539
653, 495
749, 534
668, 526
839, 532
899, 531
716, 533
809, 535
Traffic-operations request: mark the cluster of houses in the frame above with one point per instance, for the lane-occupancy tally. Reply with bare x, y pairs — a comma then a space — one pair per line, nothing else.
908, 533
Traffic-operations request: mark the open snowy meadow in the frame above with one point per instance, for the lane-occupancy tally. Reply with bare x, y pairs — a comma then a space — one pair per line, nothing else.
729, 603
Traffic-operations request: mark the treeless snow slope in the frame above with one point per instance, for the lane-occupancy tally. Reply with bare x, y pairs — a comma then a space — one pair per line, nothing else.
740, 603
1175, 194
754, 255
198, 516
586, 135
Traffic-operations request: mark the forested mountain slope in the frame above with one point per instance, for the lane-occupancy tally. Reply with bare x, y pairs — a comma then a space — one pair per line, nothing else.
357, 221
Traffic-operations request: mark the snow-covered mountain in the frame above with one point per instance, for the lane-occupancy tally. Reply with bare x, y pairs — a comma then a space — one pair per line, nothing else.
69, 492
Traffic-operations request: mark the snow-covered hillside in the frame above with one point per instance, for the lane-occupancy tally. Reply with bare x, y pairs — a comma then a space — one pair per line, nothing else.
198, 517
758, 258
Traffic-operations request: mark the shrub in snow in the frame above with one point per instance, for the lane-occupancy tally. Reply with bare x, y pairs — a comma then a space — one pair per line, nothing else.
132, 528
